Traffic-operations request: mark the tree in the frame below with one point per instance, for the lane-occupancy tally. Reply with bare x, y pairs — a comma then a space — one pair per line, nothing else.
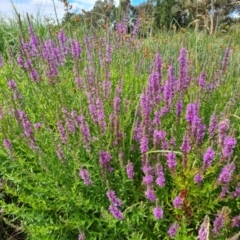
163, 13
208, 14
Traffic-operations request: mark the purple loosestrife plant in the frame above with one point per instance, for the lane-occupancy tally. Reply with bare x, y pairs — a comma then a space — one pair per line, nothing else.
208, 157
226, 173
160, 181
104, 160
158, 212
228, 146
202, 80
203, 233
172, 231
62, 132
171, 161
84, 174
183, 70
150, 194
213, 125
115, 203
130, 170
177, 202
218, 223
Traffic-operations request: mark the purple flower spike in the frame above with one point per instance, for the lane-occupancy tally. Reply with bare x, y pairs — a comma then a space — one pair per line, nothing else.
104, 159
213, 125
208, 157
203, 233
236, 221
12, 85
172, 231
202, 79
85, 176
198, 178
160, 181
150, 194
218, 223
228, 146
116, 212
185, 147
171, 161
177, 202
148, 179
226, 173
144, 144
129, 169
179, 108
7, 144
158, 212
62, 132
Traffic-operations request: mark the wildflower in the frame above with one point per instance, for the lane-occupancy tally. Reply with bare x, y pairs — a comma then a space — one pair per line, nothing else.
171, 161
202, 79
37, 125
172, 231
81, 236
160, 181
34, 75
150, 194
108, 53
223, 127
12, 85
62, 132
144, 144
225, 60
158, 212
136, 28
228, 146
168, 89
129, 170
185, 147
179, 108
198, 178
158, 136
177, 202
104, 159
236, 193
226, 173
59, 152
236, 221
76, 48
224, 191
113, 199
218, 223
148, 179
100, 114
33, 40
85, 176
116, 212
208, 157
114, 204
212, 125
7, 144
203, 233
145, 105
62, 38
182, 69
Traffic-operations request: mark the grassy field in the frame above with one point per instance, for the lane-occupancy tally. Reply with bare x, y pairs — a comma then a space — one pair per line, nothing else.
106, 135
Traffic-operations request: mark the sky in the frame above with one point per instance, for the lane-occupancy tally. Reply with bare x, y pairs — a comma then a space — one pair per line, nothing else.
43, 8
